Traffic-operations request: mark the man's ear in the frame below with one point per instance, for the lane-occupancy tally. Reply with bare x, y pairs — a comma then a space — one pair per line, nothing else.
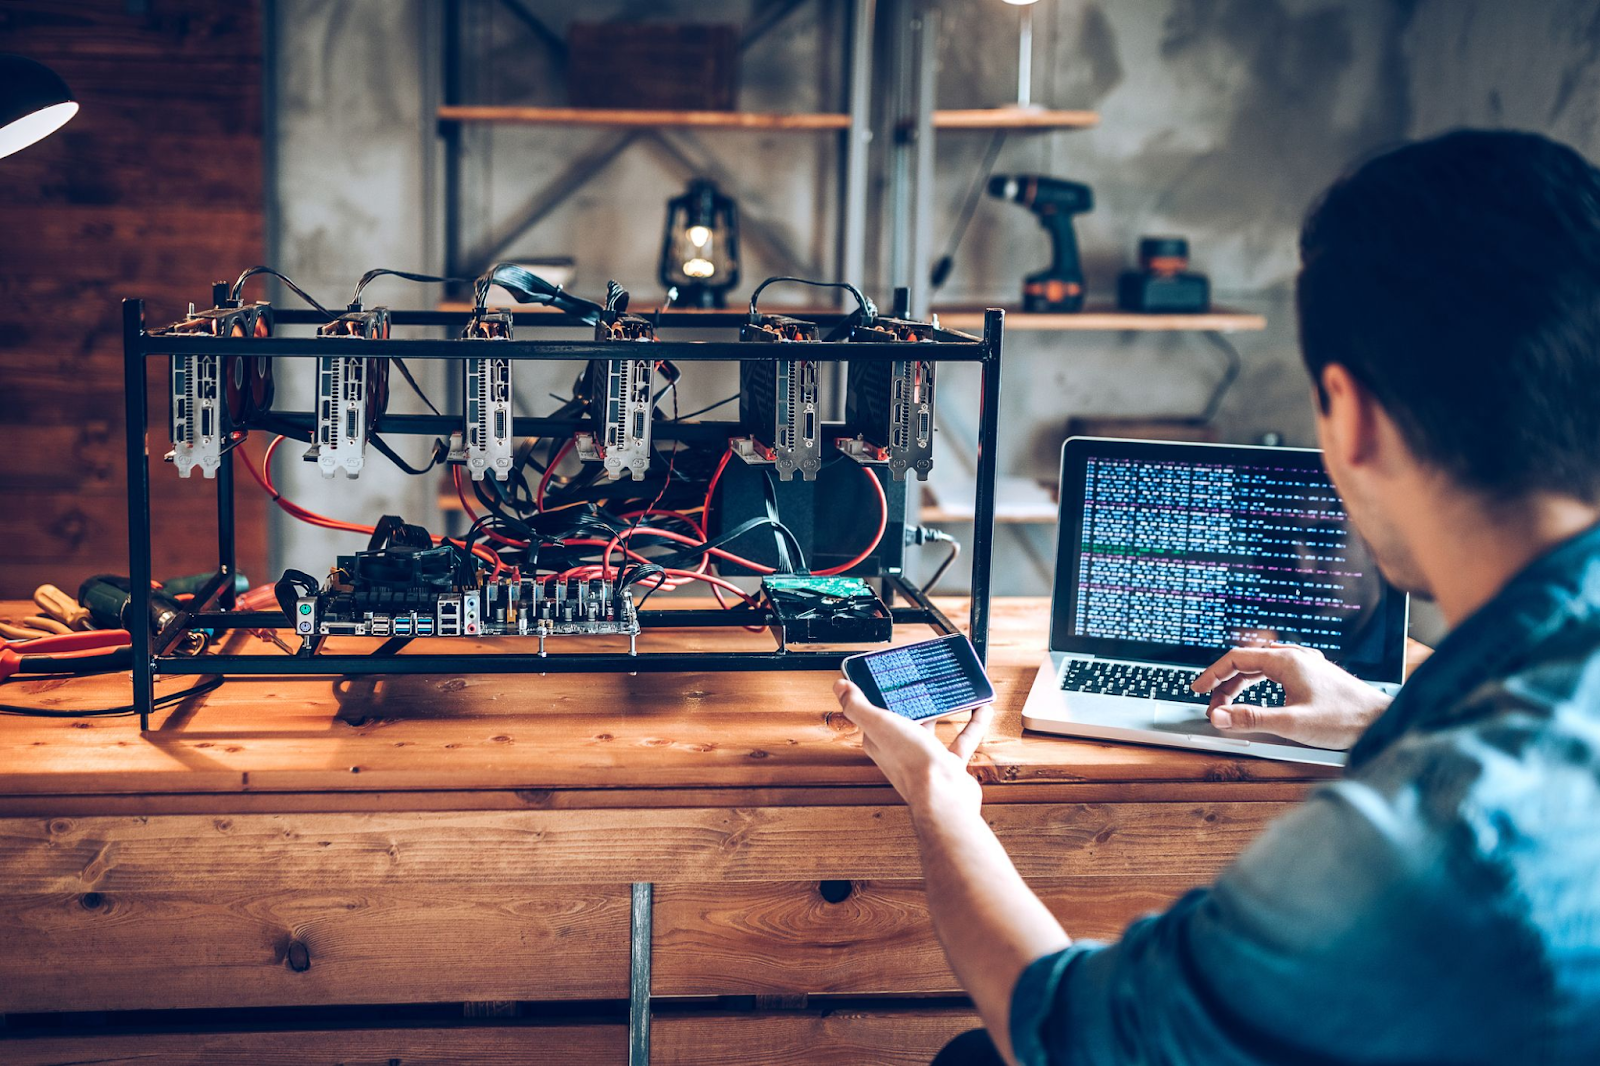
1349, 418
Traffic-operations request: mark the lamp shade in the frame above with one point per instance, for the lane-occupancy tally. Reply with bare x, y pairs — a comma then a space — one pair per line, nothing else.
34, 103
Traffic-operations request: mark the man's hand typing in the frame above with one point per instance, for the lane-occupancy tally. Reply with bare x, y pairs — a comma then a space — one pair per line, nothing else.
1324, 706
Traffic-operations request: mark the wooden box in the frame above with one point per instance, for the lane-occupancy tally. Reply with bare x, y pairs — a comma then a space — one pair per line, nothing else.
653, 65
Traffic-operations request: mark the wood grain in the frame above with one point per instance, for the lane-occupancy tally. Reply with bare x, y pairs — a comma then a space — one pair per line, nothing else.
741, 939
751, 731
236, 856
490, 1045
1013, 118
198, 944
1218, 320
154, 189
850, 1037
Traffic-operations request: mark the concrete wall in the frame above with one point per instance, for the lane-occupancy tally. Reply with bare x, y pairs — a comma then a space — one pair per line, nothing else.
1221, 120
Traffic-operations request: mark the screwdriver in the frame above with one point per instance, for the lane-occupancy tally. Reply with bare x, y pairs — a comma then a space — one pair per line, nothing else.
63, 608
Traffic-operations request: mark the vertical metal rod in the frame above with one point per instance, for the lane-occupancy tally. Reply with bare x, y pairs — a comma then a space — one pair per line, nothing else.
136, 415
227, 551
1025, 59
857, 147
983, 503
451, 132
639, 975
926, 36
900, 143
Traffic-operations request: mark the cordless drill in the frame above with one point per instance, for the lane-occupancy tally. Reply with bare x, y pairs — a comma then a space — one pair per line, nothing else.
1058, 287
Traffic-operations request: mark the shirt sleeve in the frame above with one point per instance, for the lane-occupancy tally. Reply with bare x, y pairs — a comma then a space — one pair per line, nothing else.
1322, 932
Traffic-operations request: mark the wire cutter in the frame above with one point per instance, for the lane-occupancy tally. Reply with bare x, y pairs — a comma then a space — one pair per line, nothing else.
96, 652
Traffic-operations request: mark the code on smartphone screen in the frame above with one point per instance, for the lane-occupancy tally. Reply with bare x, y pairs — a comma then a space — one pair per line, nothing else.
923, 680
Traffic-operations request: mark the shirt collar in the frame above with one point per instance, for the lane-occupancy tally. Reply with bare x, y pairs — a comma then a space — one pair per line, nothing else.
1555, 589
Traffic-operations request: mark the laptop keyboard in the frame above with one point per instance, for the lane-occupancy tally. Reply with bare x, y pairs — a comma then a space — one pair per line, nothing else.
1154, 683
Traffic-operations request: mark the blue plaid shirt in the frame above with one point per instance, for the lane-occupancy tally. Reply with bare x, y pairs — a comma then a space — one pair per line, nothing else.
1440, 903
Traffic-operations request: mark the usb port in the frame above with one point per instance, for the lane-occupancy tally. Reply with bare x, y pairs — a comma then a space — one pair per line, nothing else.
424, 627
402, 627
380, 627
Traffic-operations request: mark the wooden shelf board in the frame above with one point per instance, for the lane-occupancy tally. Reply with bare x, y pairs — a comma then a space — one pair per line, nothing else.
1218, 320
1014, 118
644, 119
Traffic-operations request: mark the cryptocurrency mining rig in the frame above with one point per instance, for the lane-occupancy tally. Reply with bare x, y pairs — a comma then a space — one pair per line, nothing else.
793, 514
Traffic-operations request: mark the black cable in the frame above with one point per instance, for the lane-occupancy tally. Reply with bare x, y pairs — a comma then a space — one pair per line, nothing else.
238, 287
955, 550
382, 272
868, 309
405, 372
440, 450
1234, 364
703, 410
527, 287
942, 266
114, 712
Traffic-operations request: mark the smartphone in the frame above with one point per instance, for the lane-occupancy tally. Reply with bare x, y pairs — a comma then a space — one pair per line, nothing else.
922, 681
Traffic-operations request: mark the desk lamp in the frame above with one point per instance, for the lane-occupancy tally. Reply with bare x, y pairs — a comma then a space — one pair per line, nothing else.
34, 103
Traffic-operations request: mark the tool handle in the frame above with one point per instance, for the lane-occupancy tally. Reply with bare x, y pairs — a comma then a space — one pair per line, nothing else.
63, 608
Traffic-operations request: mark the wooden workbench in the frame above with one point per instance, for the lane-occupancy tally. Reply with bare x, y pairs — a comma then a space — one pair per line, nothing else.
484, 868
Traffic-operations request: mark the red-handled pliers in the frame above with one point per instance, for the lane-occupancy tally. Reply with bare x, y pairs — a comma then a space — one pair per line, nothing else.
98, 650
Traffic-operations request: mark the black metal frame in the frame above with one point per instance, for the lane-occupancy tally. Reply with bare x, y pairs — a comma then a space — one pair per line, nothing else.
152, 654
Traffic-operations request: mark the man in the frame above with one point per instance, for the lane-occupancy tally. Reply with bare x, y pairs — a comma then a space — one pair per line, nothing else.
1441, 903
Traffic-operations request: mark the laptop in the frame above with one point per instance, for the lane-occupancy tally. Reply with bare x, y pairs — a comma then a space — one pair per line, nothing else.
1168, 554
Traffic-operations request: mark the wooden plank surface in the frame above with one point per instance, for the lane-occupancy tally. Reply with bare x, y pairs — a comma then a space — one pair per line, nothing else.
491, 1045
629, 118
249, 910
200, 944
825, 1037
234, 856
743, 939
1013, 118
1100, 319
532, 733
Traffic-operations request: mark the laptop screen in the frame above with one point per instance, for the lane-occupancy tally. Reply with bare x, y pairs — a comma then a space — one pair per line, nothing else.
1175, 552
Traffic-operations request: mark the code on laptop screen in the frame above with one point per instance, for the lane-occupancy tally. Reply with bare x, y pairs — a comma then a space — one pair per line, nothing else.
1209, 553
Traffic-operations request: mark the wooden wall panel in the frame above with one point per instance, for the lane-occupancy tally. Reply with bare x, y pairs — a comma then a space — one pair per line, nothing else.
500, 1045
316, 943
745, 939
882, 1037
153, 190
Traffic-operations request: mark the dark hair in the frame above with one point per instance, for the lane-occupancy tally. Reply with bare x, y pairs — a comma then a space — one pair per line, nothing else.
1459, 280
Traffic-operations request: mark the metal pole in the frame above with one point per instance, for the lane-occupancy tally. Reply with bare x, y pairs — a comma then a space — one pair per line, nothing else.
925, 29
1025, 59
983, 503
227, 561
136, 415
858, 141
639, 975
451, 132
